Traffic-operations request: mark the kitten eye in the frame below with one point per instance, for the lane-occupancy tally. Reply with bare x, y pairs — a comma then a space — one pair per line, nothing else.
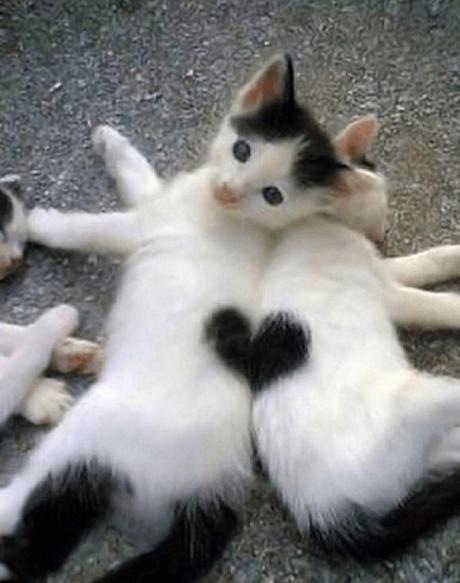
242, 151
272, 195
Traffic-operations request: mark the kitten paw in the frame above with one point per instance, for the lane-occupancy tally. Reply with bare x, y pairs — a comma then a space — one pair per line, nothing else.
78, 356
47, 403
104, 137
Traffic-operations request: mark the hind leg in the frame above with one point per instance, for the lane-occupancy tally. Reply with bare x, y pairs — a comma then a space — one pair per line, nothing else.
47, 403
65, 489
134, 176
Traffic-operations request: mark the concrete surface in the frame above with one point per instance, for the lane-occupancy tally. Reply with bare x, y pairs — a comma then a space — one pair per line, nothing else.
163, 72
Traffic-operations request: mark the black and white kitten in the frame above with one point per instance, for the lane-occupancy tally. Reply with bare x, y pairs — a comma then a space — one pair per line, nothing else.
164, 435
13, 226
362, 448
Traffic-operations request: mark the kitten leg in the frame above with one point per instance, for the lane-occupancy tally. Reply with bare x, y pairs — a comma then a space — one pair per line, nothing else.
135, 178
73, 355
117, 233
21, 370
426, 268
47, 403
423, 309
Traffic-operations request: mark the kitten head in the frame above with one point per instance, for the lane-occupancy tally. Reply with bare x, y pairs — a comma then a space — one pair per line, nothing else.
13, 225
362, 203
273, 163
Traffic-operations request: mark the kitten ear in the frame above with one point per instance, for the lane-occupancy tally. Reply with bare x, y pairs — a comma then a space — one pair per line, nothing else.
354, 141
12, 182
274, 82
352, 181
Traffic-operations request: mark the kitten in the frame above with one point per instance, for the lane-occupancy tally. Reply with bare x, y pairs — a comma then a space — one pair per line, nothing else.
13, 229
362, 448
167, 426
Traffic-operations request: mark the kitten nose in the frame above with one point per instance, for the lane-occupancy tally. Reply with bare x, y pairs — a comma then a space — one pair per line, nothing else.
226, 195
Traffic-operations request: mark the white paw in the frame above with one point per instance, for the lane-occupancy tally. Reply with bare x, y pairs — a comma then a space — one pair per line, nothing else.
5, 573
47, 403
103, 137
76, 355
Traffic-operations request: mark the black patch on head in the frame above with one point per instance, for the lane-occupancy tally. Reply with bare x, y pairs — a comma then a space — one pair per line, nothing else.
6, 209
284, 119
367, 536
196, 542
280, 347
57, 514
229, 331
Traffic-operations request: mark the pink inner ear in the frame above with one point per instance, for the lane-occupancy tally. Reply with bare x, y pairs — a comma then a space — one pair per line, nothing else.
265, 88
355, 140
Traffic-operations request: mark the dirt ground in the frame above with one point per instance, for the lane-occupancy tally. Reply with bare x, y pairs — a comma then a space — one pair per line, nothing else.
163, 72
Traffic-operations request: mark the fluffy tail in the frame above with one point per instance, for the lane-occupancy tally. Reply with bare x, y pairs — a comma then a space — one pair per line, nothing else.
366, 536
195, 543
57, 514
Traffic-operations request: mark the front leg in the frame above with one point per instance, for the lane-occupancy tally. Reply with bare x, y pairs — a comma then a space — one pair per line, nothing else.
426, 268
414, 308
111, 233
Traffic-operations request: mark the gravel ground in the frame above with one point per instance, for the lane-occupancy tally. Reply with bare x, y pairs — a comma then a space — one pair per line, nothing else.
163, 73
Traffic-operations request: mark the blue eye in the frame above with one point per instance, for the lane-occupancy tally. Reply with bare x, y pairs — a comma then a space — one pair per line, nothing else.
242, 151
272, 195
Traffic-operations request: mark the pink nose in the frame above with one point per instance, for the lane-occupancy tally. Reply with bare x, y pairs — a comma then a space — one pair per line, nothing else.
226, 196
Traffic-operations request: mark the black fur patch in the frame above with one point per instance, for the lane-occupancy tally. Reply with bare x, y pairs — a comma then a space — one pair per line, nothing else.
280, 346
229, 331
284, 119
6, 209
195, 543
58, 513
367, 537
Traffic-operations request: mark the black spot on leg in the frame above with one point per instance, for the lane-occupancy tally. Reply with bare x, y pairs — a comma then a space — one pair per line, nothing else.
229, 331
280, 347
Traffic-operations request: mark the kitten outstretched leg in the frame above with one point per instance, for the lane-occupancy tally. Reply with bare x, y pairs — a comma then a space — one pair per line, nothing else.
410, 307
112, 233
135, 178
74, 355
21, 369
426, 268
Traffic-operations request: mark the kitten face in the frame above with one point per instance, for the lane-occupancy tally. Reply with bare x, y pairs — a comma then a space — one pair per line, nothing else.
364, 205
13, 225
273, 162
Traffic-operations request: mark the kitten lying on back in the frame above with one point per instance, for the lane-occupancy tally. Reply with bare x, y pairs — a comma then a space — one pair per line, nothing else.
167, 425
363, 449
